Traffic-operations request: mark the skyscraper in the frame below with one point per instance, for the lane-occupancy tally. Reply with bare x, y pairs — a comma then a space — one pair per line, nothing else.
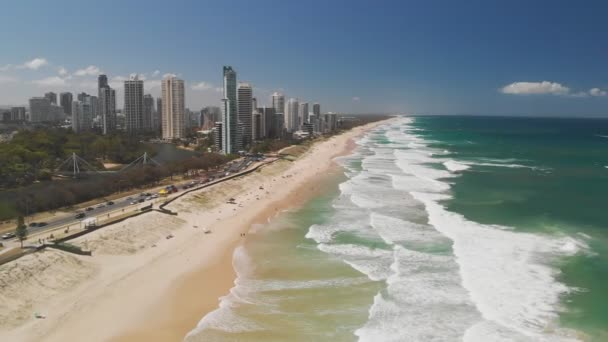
173, 108
65, 101
52, 97
40, 108
230, 136
102, 82
107, 100
292, 117
245, 108
278, 103
316, 109
157, 123
134, 104
303, 113
148, 112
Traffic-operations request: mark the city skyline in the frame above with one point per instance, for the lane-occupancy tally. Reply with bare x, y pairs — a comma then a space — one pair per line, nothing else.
404, 57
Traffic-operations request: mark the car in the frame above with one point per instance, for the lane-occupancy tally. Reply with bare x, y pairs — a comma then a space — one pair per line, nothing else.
34, 224
110, 203
7, 236
141, 200
80, 215
129, 198
42, 224
89, 209
134, 202
155, 196
148, 198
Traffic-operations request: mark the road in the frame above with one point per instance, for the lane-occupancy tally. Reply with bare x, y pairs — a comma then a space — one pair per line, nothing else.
125, 202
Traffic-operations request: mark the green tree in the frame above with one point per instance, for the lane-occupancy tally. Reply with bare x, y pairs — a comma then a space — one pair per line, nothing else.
21, 230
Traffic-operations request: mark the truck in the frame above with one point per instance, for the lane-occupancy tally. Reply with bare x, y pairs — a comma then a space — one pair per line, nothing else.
90, 223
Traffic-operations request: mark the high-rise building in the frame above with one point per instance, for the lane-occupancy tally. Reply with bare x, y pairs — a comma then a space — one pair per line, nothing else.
316, 109
52, 97
257, 126
107, 99
173, 108
303, 113
157, 123
134, 104
94, 103
278, 103
82, 96
292, 115
245, 108
18, 113
267, 122
65, 101
231, 142
81, 116
102, 82
217, 136
40, 108
211, 115
148, 112
254, 104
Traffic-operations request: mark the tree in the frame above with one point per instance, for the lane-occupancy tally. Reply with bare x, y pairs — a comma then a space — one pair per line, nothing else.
21, 230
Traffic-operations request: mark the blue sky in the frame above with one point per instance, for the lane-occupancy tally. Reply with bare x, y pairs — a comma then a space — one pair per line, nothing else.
445, 57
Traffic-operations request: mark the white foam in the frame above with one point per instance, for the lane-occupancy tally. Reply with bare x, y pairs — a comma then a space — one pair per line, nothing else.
455, 166
502, 270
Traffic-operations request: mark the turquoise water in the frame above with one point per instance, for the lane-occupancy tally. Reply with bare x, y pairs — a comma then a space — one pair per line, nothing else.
538, 175
439, 229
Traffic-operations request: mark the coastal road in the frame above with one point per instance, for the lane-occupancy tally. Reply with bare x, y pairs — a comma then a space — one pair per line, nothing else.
123, 203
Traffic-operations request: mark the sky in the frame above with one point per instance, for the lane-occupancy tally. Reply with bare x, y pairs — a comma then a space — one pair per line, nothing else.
420, 57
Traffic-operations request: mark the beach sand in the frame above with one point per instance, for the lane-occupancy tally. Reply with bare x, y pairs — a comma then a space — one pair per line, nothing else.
141, 286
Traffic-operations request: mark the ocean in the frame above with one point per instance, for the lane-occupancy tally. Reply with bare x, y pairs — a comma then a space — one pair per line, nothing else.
438, 229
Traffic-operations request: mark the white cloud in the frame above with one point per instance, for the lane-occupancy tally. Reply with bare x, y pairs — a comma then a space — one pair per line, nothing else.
91, 70
62, 71
597, 92
202, 86
34, 64
169, 75
156, 73
53, 81
356, 99
150, 84
535, 88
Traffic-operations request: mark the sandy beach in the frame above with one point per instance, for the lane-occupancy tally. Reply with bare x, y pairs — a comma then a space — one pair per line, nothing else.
140, 285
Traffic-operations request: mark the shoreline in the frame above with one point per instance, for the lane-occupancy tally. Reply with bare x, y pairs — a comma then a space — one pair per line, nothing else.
140, 286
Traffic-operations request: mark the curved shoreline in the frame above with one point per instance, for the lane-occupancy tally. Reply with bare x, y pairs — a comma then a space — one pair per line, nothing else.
148, 288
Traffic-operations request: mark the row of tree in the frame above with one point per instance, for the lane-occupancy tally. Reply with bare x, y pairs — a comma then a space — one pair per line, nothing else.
48, 196
33, 155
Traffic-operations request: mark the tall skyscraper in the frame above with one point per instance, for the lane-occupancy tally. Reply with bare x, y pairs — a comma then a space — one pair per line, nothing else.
303, 113
40, 108
134, 104
254, 104
278, 103
245, 108
52, 97
173, 108
65, 101
81, 116
316, 109
148, 112
230, 137
107, 100
292, 115
157, 123
102, 82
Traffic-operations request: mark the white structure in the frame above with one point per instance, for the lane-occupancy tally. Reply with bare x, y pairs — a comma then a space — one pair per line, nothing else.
173, 108
134, 104
245, 109
278, 103
292, 115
